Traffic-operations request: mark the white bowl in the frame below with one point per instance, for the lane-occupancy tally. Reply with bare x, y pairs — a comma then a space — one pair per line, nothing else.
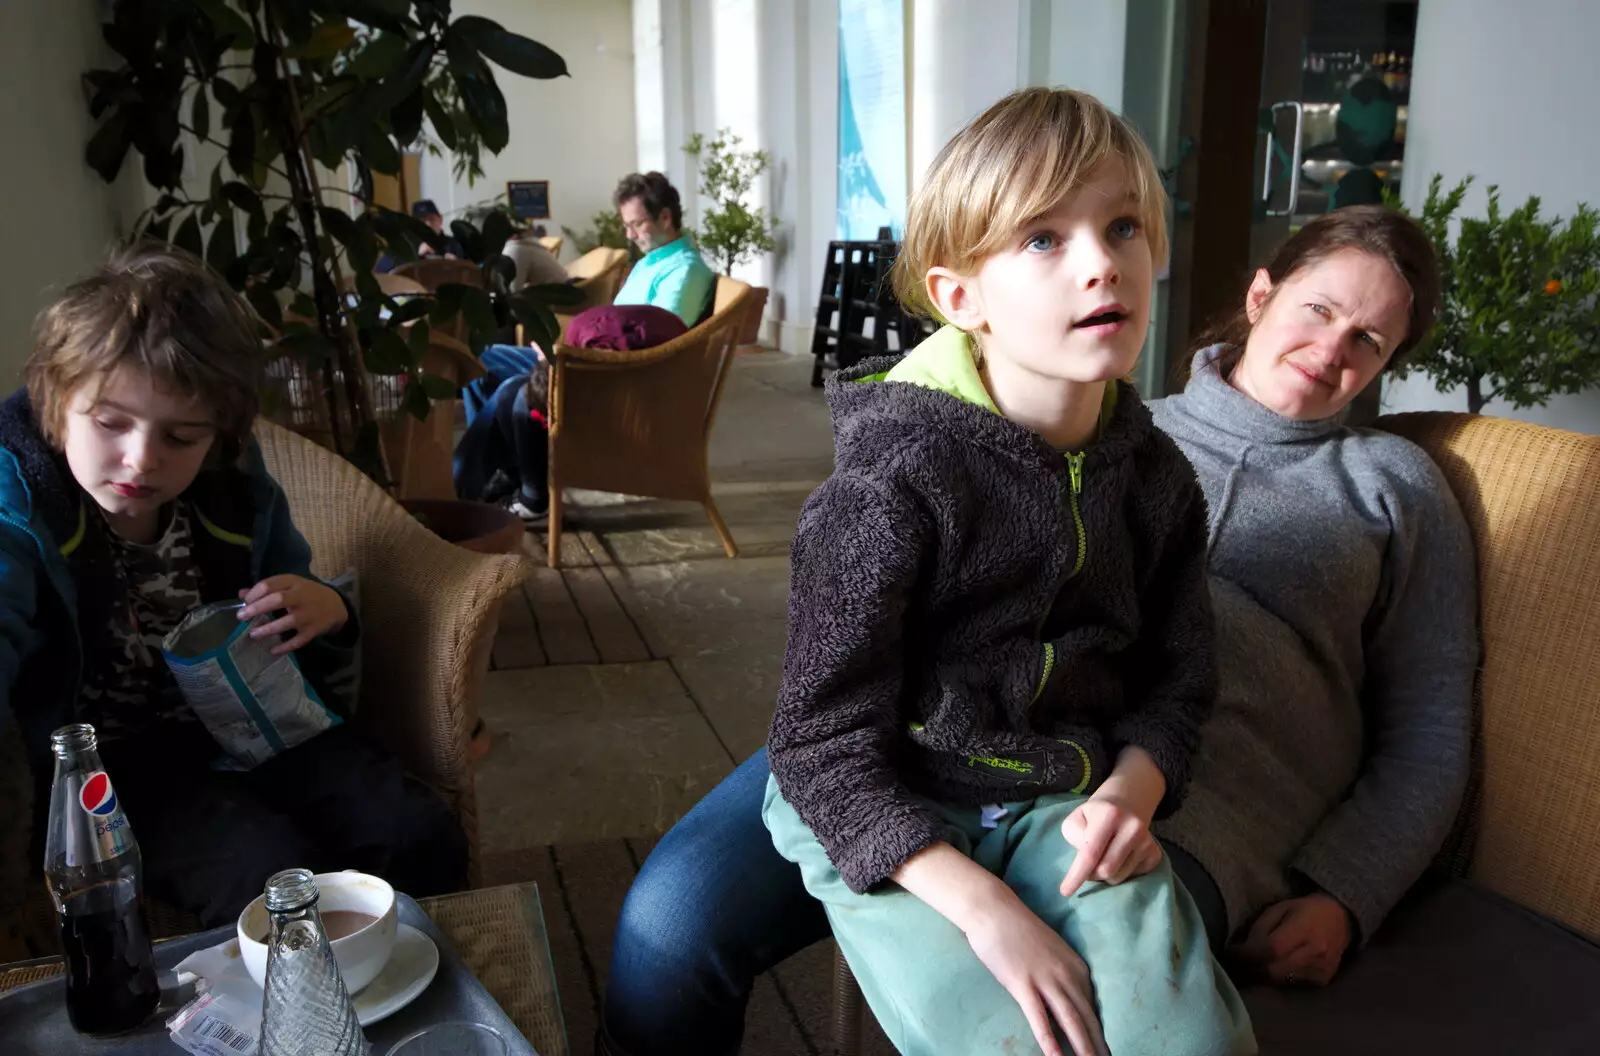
360, 955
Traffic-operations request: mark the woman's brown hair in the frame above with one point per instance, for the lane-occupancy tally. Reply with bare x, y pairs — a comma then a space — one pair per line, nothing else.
160, 310
1376, 230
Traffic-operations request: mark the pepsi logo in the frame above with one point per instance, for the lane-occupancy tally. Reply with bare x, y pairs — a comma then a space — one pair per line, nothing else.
97, 796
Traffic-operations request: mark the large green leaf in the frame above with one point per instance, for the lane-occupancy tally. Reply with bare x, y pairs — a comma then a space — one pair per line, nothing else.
242, 196
109, 145
330, 96
222, 250
471, 239
415, 401
510, 50
540, 323
200, 112
265, 302
485, 105
496, 230
327, 40
479, 310
188, 236
387, 353
443, 127
379, 13
307, 344
242, 144
438, 387
379, 151
406, 118
381, 57
340, 224
446, 303
228, 23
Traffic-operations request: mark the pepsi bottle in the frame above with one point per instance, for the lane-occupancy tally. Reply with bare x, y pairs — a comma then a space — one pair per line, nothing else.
91, 864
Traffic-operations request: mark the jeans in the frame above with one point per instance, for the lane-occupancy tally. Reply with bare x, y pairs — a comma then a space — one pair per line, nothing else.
501, 362
714, 906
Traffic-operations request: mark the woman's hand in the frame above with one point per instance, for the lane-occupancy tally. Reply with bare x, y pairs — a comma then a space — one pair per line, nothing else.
1299, 941
1045, 975
309, 609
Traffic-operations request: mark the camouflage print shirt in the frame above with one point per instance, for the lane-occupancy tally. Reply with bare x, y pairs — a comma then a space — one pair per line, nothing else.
130, 692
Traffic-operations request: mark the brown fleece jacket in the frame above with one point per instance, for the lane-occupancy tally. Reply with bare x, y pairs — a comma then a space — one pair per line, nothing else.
944, 643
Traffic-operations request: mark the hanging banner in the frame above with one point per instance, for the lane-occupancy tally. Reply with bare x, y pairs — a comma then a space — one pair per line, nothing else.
872, 118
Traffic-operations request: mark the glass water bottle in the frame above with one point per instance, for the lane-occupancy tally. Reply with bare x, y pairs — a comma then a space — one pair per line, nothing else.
305, 1010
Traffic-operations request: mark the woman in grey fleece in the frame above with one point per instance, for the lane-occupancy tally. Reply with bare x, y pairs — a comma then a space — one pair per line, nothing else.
1343, 586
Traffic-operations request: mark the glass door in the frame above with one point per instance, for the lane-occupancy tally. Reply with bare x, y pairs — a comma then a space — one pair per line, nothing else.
1335, 87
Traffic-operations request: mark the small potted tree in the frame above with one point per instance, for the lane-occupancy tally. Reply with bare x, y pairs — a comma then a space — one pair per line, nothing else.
730, 231
1521, 321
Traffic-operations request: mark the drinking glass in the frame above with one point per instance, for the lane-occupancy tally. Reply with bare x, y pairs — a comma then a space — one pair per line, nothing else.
453, 1039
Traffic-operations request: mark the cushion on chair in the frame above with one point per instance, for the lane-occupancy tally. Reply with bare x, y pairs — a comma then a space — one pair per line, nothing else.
1456, 969
624, 327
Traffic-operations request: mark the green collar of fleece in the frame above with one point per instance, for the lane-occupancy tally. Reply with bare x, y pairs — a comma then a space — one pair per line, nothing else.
944, 362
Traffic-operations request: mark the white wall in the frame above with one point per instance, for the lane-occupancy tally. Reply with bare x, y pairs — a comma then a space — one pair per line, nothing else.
1506, 93
578, 131
61, 218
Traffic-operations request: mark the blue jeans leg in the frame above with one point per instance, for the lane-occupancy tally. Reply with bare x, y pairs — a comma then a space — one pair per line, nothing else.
712, 908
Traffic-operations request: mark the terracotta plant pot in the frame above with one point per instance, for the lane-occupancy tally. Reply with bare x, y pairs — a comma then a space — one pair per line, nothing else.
750, 328
475, 526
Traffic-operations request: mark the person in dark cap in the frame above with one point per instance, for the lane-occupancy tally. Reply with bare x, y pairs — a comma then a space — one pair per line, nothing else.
424, 209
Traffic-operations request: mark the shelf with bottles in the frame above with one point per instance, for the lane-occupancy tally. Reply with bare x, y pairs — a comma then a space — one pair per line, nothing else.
1326, 74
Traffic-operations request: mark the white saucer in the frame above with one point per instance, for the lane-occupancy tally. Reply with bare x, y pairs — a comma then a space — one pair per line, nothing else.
411, 968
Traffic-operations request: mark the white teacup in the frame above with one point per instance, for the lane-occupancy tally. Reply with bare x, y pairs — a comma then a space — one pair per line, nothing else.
360, 955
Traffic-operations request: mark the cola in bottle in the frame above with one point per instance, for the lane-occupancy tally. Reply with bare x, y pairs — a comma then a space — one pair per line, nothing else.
91, 865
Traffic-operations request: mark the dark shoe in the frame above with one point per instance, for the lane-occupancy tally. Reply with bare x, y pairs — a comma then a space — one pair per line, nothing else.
499, 488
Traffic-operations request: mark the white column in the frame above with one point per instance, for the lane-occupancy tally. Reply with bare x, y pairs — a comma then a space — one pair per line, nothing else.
1088, 42
649, 85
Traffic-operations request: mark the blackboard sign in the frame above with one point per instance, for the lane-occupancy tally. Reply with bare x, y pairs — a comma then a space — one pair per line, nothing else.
529, 199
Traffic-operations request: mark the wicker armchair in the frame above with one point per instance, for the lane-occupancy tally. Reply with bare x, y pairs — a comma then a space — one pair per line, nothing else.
428, 612
639, 422
433, 272
599, 274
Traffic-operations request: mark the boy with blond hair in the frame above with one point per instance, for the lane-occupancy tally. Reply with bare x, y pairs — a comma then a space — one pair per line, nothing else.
1000, 638
132, 491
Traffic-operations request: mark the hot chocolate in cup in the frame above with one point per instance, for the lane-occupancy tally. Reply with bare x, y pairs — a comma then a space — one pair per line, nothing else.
359, 914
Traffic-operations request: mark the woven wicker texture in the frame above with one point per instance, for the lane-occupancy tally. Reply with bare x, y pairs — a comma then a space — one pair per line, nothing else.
639, 422
1532, 498
499, 933
428, 610
10, 980
433, 272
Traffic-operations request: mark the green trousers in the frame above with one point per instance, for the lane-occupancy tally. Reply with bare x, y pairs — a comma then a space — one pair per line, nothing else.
1157, 987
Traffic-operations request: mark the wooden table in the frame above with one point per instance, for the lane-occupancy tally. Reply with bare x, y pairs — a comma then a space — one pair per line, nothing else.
499, 934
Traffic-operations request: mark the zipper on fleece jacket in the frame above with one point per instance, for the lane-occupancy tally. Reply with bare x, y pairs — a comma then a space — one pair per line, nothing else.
1075, 475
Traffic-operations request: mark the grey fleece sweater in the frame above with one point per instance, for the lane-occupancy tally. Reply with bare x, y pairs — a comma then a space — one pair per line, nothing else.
972, 622
1343, 583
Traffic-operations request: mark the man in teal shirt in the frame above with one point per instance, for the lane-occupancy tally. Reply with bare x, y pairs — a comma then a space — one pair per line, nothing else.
671, 275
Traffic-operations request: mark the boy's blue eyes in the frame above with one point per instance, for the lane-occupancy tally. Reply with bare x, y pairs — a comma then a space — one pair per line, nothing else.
1123, 228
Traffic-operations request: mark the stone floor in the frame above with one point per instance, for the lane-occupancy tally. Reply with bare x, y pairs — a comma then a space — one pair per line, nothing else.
629, 681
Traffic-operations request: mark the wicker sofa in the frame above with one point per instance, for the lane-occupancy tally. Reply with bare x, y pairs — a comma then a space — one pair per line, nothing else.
1496, 951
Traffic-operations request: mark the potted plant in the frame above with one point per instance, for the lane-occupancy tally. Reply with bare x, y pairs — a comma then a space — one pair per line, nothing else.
1520, 320
730, 231
290, 93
